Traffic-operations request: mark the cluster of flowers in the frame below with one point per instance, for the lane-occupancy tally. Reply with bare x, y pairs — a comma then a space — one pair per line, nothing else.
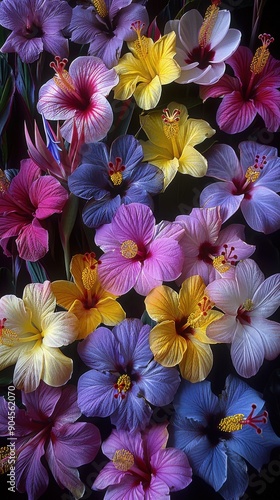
93, 196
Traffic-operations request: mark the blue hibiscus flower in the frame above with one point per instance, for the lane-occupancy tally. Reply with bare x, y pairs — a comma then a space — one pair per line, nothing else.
109, 177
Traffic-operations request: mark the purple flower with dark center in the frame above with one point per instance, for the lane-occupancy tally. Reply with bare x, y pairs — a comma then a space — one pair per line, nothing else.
219, 433
105, 26
141, 467
47, 429
109, 177
138, 252
251, 184
36, 26
209, 250
123, 379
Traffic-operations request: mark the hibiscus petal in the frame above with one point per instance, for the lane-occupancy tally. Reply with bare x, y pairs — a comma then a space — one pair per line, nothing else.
47, 194
75, 444
262, 210
165, 261
31, 475
33, 242
172, 467
227, 45
57, 368
247, 350
167, 346
235, 114
118, 274
266, 298
220, 194
225, 294
162, 304
197, 361
39, 299
96, 394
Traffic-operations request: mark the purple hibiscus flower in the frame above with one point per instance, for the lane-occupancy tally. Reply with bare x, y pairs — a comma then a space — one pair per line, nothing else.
24, 202
36, 26
251, 184
252, 91
123, 379
108, 178
141, 467
105, 26
218, 433
138, 253
210, 251
47, 428
247, 301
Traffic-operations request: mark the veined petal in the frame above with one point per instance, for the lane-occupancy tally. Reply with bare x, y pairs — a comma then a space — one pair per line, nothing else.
192, 162
266, 298
66, 293
197, 361
89, 319
220, 194
167, 346
57, 368
29, 367
162, 54
262, 210
235, 114
59, 328
162, 304
39, 298
222, 330
247, 350
172, 468
33, 241
196, 131
192, 291
147, 94
18, 316
111, 311
118, 274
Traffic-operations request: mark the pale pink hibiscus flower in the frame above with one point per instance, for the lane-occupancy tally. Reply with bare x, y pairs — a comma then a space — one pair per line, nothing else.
209, 250
138, 253
252, 91
79, 95
247, 301
24, 202
203, 44
141, 467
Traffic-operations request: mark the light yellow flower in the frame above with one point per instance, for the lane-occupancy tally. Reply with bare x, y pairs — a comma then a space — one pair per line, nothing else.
149, 66
86, 298
172, 136
31, 334
180, 335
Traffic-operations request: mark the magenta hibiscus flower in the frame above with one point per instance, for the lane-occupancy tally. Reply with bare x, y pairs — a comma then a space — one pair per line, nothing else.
138, 253
141, 466
252, 91
210, 251
250, 184
247, 300
79, 95
36, 26
47, 429
24, 203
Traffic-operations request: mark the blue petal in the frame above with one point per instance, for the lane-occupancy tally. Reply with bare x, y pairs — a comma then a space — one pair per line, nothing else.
149, 177
99, 350
133, 338
99, 212
196, 401
238, 397
96, 394
128, 149
132, 412
237, 478
159, 384
89, 181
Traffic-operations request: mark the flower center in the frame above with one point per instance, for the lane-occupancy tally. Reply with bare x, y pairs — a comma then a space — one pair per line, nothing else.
100, 7
208, 24
170, 122
4, 183
123, 460
129, 249
196, 318
64, 81
225, 260
122, 385
115, 171
236, 422
7, 336
140, 45
89, 273
251, 175
261, 55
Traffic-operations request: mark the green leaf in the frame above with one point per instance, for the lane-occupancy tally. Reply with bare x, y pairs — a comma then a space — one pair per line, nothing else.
7, 90
25, 85
36, 271
66, 225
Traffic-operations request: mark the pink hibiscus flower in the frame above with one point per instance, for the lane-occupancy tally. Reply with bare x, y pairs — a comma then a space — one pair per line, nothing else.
141, 466
247, 300
252, 91
79, 95
210, 251
138, 253
47, 428
24, 203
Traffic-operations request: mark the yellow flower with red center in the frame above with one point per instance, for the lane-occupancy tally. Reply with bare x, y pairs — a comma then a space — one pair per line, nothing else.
180, 337
86, 298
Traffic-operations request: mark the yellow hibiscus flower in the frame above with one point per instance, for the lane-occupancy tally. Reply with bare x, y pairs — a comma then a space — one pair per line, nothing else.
30, 336
180, 335
149, 66
172, 136
86, 298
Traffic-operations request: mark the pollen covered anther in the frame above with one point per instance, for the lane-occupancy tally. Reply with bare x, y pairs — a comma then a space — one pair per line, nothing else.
208, 24
7, 336
129, 249
100, 7
123, 460
141, 44
89, 273
4, 183
122, 385
115, 171
236, 422
223, 262
170, 122
262, 54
